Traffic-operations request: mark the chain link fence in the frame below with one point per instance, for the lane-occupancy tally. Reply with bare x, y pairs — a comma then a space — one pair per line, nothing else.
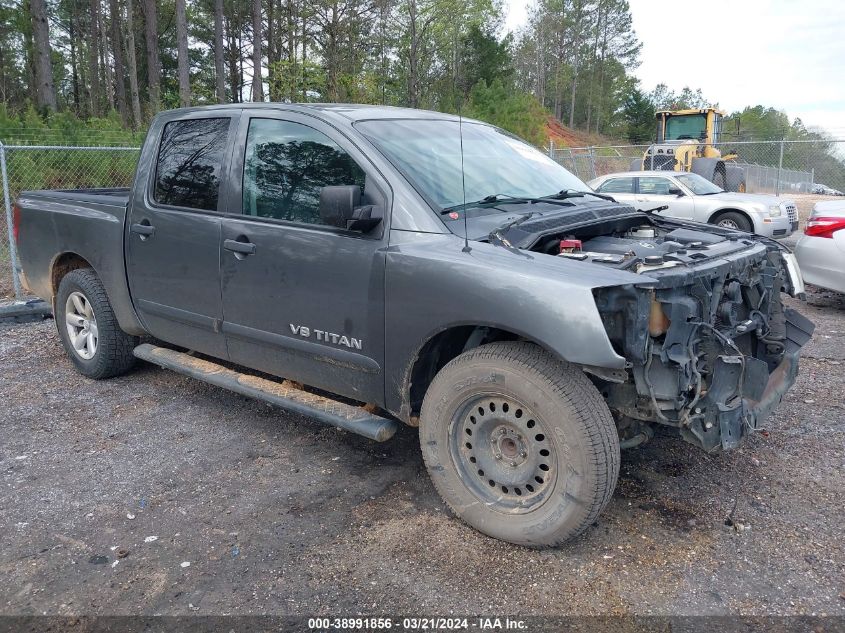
27, 167
775, 167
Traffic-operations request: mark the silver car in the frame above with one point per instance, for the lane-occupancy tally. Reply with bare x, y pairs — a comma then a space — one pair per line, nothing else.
821, 250
691, 197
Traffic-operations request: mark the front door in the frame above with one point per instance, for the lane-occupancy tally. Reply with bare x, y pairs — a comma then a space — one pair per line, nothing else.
301, 299
173, 238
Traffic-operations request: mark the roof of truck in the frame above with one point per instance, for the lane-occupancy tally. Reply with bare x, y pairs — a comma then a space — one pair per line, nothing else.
350, 111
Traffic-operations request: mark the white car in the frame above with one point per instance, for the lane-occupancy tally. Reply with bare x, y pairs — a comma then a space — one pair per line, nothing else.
821, 250
691, 197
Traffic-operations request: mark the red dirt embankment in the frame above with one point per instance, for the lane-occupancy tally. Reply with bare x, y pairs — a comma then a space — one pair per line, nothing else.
563, 136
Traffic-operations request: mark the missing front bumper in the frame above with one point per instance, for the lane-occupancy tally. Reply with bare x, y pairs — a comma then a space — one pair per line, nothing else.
740, 418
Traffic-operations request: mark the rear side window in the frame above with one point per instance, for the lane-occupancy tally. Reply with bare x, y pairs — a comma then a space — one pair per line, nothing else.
617, 185
190, 161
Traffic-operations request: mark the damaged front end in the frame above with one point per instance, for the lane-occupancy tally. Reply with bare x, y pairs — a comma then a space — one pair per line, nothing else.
710, 346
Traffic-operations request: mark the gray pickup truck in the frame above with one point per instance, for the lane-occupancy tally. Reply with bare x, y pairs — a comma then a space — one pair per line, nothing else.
401, 266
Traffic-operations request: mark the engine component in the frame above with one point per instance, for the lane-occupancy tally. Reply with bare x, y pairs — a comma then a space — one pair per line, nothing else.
658, 322
641, 233
570, 245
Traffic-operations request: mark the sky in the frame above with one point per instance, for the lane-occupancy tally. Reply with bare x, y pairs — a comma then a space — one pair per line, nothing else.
784, 54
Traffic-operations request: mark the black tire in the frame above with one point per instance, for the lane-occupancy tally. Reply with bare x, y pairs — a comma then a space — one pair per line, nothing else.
562, 431
733, 220
735, 178
112, 354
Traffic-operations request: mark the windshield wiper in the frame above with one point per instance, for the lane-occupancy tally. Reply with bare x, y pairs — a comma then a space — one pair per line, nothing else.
491, 200
574, 193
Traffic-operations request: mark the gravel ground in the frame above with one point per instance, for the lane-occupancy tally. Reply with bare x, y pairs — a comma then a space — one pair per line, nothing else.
156, 494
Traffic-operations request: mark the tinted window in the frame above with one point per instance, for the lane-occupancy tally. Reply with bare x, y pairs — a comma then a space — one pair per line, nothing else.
617, 185
189, 163
654, 186
285, 167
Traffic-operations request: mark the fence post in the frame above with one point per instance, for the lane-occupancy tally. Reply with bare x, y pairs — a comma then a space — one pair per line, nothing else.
13, 249
551, 149
592, 163
780, 168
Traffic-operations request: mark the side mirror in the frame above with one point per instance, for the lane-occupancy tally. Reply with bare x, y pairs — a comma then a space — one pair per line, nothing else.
675, 191
340, 206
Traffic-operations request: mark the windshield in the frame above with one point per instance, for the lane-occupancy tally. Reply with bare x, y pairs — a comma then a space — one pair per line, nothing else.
685, 126
698, 185
428, 152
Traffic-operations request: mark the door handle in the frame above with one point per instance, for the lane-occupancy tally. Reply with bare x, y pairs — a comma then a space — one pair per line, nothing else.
144, 229
242, 248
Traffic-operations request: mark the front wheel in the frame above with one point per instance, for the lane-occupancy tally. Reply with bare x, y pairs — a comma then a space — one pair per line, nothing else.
735, 221
89, 329
519, 444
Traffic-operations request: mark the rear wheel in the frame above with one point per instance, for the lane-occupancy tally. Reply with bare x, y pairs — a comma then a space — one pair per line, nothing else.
519, 444
733, 220
88, 327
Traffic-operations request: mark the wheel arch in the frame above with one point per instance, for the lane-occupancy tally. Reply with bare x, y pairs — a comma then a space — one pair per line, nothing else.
117, 292
62, 265
715, 214
442, 347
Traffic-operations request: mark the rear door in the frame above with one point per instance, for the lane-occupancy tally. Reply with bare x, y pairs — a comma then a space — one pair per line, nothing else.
302, 299
620, 187
173, 233
654, 191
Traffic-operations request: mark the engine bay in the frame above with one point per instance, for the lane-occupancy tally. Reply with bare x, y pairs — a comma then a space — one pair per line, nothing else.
642, 248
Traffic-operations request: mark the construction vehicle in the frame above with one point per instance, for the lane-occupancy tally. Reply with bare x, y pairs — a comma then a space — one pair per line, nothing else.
686, 141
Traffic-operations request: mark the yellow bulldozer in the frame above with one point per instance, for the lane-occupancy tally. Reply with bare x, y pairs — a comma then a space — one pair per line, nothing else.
686, 141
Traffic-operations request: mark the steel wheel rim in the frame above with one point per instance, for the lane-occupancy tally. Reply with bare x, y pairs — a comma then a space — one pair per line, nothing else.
504, 453
728, 224
81, 325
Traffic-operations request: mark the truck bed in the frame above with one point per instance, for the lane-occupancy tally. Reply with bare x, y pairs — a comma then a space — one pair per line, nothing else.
63, 227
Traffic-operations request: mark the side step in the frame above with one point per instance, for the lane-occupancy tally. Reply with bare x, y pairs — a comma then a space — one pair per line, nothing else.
339, 414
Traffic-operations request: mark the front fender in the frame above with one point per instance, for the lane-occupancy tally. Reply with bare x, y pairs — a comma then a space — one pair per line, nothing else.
431, 285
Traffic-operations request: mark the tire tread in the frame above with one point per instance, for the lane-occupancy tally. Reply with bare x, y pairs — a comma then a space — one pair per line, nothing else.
571, 385
114, 355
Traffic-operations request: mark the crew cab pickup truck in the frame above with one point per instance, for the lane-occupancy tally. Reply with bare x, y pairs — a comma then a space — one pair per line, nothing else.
371, 266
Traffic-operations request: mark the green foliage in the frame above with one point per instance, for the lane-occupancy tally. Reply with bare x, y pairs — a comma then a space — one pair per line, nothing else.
64, 128
638, 111
485, 58
760, 123
665, 99
514, 111
299, 82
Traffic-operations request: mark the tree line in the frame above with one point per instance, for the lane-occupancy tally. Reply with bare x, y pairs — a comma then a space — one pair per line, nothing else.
128, 59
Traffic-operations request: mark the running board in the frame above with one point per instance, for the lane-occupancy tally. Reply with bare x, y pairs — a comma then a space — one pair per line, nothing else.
331, 412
